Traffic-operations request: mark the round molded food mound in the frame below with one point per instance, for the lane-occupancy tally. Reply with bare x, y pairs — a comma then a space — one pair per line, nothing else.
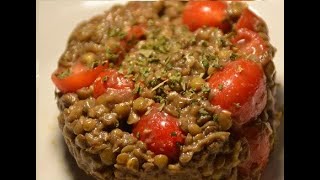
169, 90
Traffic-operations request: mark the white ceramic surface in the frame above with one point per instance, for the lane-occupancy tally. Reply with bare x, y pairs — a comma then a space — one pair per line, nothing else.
55, 21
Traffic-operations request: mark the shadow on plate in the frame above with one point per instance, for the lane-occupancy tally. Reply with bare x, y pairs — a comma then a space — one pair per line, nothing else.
75, 172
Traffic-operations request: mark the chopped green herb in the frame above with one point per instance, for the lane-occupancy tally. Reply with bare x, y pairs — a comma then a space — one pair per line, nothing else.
104, 79
176, 77
192, 40
215, 117
153, 82
150, 22
146, 52
173, 133
189, 93
205, 63
233, 56
110, 55
203, 112
160, 44
194, 101
64, 74
153, 60
168, 65
220, 87
93, 64
137, 89
217, 65
204, 43
237, 105
159, 99
144, 71
205, 89
130, 70
116, 32
223, 42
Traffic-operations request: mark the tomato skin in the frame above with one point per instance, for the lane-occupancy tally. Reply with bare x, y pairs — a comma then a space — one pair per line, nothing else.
161, 133
204, 13
80, 77
136, 32
110, 79
249, 43
240, 87
259, 148
249, 20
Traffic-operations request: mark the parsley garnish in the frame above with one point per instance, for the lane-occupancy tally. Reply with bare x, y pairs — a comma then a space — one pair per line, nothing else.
215, 117
223, 42
159, 99
173, 133
110, 55
146, 52
116, 32
176, 77
144, 71
137, 89
220, 87
64, 74
205, 63
104, 79
205, 89
233, 56
93, 64
203, 112
204, 43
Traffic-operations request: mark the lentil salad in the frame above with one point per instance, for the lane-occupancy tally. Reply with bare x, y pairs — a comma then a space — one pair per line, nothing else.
160, 70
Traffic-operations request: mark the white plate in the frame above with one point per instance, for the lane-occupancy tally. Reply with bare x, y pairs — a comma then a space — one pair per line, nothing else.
55, 21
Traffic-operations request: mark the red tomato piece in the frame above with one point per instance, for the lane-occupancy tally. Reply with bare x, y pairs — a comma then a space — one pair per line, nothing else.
252, 45
136, 32
259, 146
249, 20
78, 77
110, 79
240, 87
161, 133
204, 13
